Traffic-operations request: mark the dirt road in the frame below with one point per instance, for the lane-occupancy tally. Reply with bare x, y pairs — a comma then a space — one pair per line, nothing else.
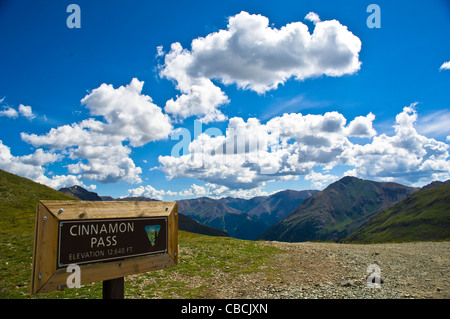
327, 270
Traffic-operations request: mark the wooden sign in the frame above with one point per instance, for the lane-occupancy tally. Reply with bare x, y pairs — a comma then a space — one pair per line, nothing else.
107, 240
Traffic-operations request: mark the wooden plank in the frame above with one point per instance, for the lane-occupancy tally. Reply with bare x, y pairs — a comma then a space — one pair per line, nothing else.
173, 233
111, 270
34, 287
114, 209
45, 248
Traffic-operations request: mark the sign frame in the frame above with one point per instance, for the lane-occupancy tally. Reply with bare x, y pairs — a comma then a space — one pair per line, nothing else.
47, 275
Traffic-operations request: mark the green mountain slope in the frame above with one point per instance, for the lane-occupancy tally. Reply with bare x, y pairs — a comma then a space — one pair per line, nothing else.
188, 224
337, 211
424, 215
18, 200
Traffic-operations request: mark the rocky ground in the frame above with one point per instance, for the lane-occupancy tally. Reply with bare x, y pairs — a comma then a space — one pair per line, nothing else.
328, 270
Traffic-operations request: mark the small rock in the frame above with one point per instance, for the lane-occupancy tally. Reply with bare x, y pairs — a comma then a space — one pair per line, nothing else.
347, 283
358, 282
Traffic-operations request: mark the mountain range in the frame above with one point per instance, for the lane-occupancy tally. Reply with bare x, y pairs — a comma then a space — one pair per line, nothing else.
337, 211
80, 193
272, 208
243, 218
348, 210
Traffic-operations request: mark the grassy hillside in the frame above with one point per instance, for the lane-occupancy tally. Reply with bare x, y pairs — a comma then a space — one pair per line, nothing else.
191, 225
18, 200
424, 215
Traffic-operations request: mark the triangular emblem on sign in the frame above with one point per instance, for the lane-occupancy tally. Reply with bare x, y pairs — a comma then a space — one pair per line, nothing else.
153, 233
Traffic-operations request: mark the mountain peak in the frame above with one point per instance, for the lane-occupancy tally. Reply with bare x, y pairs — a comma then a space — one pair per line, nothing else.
80, 193
349, 179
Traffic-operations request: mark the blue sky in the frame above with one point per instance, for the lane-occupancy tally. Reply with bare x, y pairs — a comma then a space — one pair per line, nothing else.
324, 95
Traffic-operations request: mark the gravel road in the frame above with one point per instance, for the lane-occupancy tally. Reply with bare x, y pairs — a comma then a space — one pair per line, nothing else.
328, 270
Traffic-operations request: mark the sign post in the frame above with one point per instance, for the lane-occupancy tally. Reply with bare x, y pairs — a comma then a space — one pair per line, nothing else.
114, 288
107, 240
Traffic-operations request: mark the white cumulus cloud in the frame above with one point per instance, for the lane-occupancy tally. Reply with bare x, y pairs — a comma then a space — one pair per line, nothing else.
128, 113
257, 57
406, 157
445, 66
313, 17
286, 147
26, 111
23, 110
31, 166
319, 180
97, 146
9, 112
208, 190
252, 153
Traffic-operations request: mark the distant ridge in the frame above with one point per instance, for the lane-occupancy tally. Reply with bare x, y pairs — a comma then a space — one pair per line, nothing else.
421, 216
83, 194
128, 199
215, 214
243, 218
347, 210
350, 210
435, 184
80, 193
272, 208
337, 211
